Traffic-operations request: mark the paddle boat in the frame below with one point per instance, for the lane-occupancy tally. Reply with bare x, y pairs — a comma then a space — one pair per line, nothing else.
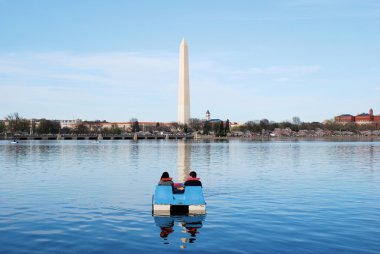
178, 199
14, 142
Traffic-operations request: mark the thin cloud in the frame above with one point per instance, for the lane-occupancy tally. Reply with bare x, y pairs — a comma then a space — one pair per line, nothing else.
281, 70
108, 69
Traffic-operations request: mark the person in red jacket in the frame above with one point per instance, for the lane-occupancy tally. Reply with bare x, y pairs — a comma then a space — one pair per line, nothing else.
165, 179
192, 180
165, 231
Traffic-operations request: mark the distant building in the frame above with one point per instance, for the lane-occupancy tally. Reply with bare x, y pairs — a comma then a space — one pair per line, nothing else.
363, 118
234, 124
215, 120
125, 126
345, 118
70, 123
96, 125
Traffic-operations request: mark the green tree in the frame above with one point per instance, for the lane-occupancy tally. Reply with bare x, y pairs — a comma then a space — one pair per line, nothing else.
272, 126
183, 128
367, 127
186, 128
96, 126
351, 127
206, 127
264, 124
284, 125
221, 132
82, 129
105, 131
227, 126
115, 130
66, 130
215, 127
135, 125
311, 126
252, 126
2, 127
48, 127
331, 125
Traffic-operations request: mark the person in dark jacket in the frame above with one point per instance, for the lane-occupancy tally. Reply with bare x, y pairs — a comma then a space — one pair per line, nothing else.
165, 179
192, 180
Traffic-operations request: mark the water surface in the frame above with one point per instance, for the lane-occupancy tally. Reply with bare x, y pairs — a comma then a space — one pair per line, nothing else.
262, 197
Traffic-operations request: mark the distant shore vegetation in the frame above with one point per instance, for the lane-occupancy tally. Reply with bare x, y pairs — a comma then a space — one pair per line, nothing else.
15, 124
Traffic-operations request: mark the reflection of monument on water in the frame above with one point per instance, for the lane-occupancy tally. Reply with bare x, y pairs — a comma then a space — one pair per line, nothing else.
184, 151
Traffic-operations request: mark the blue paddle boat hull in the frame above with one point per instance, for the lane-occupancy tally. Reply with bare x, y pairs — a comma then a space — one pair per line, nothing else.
191, 201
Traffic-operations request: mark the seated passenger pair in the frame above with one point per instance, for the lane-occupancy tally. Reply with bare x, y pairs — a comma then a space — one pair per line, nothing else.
192, 180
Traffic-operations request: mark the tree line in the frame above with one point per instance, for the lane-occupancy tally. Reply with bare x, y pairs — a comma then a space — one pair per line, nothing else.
16, 124
329, 125
218, 128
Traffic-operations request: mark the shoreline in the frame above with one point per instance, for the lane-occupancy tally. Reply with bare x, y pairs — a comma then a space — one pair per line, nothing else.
194, 138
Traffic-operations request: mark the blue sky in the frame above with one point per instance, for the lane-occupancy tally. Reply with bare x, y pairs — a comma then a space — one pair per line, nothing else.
114, 60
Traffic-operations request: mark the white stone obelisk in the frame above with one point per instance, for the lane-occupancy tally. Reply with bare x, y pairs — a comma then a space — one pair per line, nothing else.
183, 85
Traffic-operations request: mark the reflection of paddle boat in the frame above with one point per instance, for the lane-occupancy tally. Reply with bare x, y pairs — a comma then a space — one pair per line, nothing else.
166, 200
185, 220
190, 224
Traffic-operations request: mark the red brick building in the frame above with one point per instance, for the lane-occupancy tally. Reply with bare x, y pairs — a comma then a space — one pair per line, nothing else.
345, 118
363, 118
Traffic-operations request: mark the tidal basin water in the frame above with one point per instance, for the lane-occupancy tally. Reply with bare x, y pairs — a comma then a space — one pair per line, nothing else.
262, 197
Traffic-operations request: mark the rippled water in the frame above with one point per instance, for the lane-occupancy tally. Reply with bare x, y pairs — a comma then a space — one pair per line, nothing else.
262, 197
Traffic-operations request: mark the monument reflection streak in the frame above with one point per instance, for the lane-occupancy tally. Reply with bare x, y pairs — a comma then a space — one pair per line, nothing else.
184, 154
188, 225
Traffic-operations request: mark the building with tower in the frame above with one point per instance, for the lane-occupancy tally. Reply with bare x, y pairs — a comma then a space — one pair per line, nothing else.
208, 115
363, 118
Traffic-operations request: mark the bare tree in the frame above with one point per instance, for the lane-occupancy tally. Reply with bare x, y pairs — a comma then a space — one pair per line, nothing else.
296, 120
16, 123
195, 124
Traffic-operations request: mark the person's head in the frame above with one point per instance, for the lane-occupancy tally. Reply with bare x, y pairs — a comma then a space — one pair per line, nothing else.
193, 174
165, 175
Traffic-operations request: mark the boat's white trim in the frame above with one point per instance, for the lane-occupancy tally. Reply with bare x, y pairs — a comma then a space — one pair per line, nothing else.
161, 209
197, 209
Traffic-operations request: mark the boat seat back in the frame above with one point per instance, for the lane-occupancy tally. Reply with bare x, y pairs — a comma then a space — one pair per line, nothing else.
194, 195
163, 194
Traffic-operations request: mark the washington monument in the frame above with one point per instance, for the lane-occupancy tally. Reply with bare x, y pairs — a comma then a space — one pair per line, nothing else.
183, 85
